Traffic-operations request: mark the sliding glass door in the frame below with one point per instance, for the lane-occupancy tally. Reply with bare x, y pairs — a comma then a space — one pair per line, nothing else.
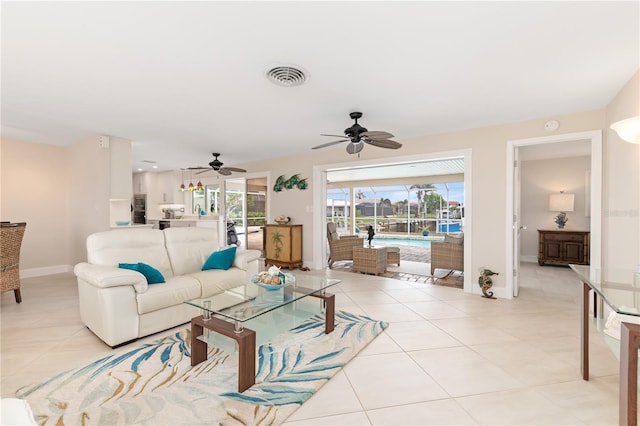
245, 208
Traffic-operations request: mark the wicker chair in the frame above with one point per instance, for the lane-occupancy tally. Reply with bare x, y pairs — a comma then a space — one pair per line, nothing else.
341, 248
10, 242
447, 255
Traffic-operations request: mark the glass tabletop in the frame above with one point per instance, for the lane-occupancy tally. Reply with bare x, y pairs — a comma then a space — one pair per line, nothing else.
619, 288
249, 300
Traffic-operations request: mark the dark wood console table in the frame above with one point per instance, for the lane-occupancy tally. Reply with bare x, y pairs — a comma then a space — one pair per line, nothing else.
560, 247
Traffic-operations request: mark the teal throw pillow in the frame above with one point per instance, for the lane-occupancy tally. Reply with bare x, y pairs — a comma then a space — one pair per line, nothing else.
152, 275
222, 259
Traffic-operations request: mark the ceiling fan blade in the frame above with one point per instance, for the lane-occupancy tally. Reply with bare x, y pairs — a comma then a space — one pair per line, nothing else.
384, 143
224, 171
324, 145
333, 136
354, 148
197, 168
235, 169
377, 134
204, 171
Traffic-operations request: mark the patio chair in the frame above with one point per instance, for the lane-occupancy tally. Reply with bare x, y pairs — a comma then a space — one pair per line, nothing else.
341, 248
448, 254
10, 242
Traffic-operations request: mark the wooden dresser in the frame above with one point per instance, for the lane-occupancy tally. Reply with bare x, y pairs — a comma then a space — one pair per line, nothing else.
559, 247
282, 245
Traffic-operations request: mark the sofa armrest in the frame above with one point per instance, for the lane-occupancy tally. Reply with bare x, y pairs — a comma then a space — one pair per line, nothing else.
103, 276
244, 258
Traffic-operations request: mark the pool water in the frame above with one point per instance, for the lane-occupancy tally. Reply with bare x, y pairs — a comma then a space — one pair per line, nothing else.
402, 242
451, 227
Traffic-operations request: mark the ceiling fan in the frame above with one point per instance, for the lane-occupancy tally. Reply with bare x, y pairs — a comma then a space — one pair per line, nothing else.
357, 136
217, 165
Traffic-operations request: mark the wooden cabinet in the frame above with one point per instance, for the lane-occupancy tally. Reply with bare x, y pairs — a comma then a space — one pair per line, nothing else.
563, 247
282, 245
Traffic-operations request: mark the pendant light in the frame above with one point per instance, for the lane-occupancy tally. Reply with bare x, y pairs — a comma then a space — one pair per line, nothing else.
191, 187
182, 187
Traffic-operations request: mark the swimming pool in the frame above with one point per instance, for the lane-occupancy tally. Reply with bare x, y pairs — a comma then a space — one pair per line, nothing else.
401, 242
449, 227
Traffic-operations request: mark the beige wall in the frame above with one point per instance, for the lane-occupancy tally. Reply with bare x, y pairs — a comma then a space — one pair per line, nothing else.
621, 168
541, 178
489, 176
35, 189
87, 179
68, 198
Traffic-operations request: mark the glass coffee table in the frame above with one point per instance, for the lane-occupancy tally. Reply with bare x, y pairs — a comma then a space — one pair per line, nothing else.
620, 290
227, 312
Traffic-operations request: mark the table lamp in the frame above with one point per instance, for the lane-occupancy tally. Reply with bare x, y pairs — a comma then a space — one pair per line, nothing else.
561, 203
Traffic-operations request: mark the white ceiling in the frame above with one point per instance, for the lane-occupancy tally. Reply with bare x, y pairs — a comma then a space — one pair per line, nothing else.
184, 79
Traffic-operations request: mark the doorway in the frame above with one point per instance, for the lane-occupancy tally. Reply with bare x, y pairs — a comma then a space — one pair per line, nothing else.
403, 164
514, 217
245, 208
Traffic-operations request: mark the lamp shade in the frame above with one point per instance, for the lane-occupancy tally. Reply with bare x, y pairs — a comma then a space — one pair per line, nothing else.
628, 130
561, 202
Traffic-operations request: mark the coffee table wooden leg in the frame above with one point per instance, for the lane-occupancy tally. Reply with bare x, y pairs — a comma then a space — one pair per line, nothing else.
629, 341
246, 347
329, 310
198, 347
246, 362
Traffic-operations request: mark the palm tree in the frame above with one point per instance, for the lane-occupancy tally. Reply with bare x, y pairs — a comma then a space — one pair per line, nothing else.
423, 188
419, 196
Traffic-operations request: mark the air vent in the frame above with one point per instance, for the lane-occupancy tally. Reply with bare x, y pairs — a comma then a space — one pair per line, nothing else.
286, 76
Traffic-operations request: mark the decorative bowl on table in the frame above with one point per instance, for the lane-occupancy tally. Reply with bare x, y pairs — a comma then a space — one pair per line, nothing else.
268, 283
123, 222
282, 219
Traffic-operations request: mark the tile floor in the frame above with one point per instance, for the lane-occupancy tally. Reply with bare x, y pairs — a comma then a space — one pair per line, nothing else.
447, 358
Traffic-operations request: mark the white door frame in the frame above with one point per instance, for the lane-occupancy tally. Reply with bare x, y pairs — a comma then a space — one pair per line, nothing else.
320, 197
595, 136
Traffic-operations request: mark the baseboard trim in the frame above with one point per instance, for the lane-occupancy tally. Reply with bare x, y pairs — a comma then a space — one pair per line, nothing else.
48, 270
530, 259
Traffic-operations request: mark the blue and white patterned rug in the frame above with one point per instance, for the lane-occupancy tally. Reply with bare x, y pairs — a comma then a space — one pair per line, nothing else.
154, 384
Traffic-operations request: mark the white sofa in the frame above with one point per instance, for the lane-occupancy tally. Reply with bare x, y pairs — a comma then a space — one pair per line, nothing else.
119, 306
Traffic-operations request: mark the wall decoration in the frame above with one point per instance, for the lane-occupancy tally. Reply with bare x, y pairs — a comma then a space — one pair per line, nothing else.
279, 184
293, 182
486, 282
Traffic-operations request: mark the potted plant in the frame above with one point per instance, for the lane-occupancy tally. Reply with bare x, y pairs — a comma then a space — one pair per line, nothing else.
425, 232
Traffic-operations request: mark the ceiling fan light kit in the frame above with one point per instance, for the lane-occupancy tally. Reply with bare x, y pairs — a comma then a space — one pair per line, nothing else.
358, 135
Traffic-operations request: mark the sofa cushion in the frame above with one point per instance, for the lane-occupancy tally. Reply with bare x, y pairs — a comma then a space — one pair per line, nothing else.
216, 280
175, 291
222, 259
129, 246
151, 274
453, 239
190, 247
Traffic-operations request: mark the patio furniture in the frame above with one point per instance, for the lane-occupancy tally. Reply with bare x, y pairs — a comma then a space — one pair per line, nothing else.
448, 254
341, 248
370, 260
10, 243
393, 255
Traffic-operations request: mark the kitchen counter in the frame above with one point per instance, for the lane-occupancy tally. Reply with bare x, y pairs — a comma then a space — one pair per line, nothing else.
187, 219
135, 225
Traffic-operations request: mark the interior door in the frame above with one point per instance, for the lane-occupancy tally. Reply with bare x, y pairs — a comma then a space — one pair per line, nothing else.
517, 225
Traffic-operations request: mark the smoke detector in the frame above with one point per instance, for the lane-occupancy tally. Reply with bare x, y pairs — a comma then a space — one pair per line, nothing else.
287, 76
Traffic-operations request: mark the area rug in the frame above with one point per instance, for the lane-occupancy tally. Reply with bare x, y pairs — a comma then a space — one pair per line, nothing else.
154, 384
